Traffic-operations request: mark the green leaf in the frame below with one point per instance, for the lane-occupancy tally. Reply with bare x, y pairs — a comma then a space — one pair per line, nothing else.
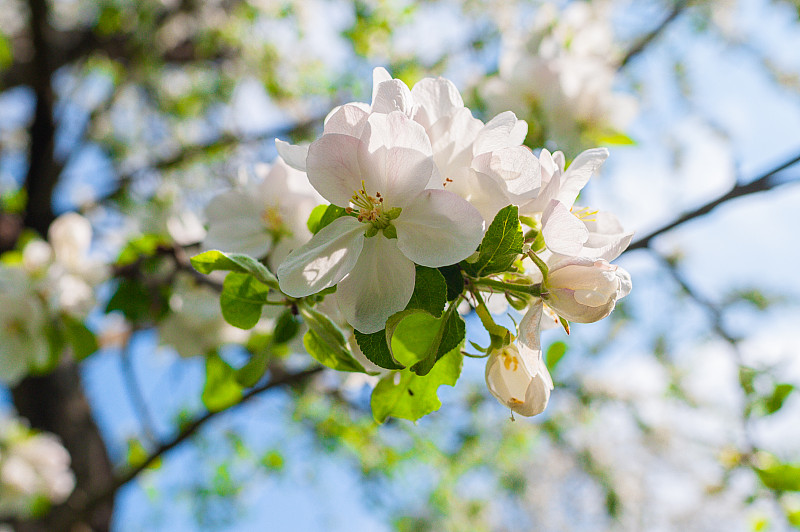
778, 476
286, 327
415, 337
555, 353
136, 302
82, 340
453, 279
322, 216
376, 349
611, 137
774, 402
214, 260
326, 343
221, 389
409, 396
241, 300
249, 374
430, 291
501, 245
137, 455
334, 357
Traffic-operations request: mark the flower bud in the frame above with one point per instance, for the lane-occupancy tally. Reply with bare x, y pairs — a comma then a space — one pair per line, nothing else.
518, 378
585, 291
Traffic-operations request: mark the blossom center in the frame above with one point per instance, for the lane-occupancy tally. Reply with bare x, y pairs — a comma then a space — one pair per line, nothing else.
273, 221
583, 214
371, 210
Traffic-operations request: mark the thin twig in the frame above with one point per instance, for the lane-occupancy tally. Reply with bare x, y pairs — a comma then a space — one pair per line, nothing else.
75, 514
135, 393
760, 184
645, 41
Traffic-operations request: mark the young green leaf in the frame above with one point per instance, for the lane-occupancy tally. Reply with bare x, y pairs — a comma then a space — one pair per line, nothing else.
221, 389
409, 396
322, 216
82, 340
326, 343
376, 349
241, 300
214, 260
501, 245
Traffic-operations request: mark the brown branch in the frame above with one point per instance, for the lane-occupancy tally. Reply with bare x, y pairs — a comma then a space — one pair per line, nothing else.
69, 515
760, 184
645, 41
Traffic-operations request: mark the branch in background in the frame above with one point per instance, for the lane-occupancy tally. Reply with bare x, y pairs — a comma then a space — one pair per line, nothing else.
65, 516
645, 41
135, 392
760, 184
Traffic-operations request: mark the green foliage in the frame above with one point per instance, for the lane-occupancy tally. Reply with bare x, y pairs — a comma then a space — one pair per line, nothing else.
454, 280
376, 349
418, 335
221, 390
241, 300
234, 262
501, 245
326, 343
249, 374
137, 455
137, 302
322, 216
410, 396
430, 291
777, 475
82, 340
555, 353
286, 327
775, 401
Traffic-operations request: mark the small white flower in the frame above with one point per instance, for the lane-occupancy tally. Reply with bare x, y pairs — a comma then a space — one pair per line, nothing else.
585, 290
22, 320
377, 166
267, 216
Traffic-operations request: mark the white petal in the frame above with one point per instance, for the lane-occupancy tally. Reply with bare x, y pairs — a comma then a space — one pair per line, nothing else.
579, 172
235, 224
333, 167
438, 228
392, 95
379, 75
324, 260
607, 238
380, 284
502, 131
530, 326
435, 98
397, 160
563, 232
348, 119
516, 168
293, 154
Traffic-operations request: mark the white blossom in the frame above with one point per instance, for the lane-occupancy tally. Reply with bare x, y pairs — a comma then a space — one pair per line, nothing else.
377, 166
23, 345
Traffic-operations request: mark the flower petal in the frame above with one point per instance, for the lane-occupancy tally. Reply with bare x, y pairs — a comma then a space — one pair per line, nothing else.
379, 75
324, 260
235, 224
578, 174
435, 98
348, 119
502, 131
438, 228
515, 168
293, 154
563, 232
380, 284
392, 95
333, 167
395, 159
607, 238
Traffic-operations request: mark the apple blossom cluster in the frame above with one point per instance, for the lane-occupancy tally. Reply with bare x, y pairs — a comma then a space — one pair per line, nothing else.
429, 208
34, 470
559, 71
49, 280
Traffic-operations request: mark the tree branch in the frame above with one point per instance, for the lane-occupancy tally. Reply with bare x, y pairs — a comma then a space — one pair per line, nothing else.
645, 41
760, 184
66, 516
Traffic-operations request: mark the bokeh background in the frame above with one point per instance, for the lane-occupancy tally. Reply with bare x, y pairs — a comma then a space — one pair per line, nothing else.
679, 412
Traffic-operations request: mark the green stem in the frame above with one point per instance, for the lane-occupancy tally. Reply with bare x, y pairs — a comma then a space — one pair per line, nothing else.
539, 264
524, 289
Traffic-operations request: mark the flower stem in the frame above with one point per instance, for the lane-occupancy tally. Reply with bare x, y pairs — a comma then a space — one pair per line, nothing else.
524, 289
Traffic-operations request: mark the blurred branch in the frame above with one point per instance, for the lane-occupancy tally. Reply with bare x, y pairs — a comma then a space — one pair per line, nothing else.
66, 516
645, 41
760, 184
135, 393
